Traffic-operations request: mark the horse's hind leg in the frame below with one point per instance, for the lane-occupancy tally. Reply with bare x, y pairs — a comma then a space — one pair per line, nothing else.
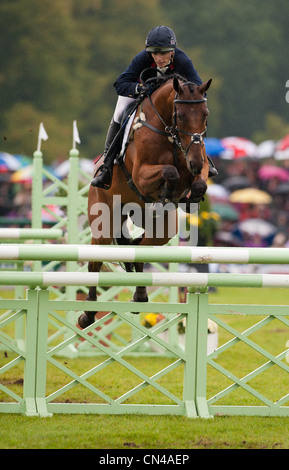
140, 294
87, 318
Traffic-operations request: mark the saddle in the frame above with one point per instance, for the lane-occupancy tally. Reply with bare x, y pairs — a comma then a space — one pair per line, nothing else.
118, 146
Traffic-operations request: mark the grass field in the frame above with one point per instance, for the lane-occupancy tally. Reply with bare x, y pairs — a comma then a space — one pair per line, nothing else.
166, 432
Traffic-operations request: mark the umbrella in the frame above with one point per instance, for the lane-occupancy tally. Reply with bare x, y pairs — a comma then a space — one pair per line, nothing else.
267, 172
256, 227
213, 146
8, 162
25, 174
283, 188
236, 182
238, 147
266, 149
282, 149
250, 196
23, 160
225, 211
224, 238
51, 215
217, 191
63, 169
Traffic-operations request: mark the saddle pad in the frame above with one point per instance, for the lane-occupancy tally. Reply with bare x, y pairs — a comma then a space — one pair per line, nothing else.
126, 134
97, 163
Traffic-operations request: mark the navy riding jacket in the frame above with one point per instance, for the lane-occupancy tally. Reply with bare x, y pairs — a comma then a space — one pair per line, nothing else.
127, 82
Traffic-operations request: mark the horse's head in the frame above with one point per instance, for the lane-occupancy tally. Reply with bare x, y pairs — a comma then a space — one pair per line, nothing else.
189, 121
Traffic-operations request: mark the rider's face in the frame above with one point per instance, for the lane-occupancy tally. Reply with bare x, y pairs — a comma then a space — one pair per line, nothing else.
162, 58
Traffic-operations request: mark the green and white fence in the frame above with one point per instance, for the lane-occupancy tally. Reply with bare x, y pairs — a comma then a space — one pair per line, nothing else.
70, 227
71, 194
185, 365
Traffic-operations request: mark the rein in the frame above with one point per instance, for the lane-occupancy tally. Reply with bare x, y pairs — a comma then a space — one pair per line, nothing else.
172, 132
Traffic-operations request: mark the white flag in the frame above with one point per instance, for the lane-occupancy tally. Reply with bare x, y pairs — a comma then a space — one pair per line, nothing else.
75, 133
42, 135
42, 132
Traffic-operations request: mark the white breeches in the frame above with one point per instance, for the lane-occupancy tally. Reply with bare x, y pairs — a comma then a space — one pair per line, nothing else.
122, 103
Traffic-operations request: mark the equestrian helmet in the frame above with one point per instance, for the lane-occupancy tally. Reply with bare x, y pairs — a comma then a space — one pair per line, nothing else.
161, 39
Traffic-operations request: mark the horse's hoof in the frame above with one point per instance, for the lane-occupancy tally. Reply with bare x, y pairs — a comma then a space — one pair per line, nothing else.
140, 298
84, 320
136, 298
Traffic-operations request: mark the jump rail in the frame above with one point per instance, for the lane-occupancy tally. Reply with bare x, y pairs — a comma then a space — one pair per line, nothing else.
30, 233
197, 280
164, 254
148, 254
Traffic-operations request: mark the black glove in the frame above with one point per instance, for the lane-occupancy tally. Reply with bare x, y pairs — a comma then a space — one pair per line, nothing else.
144, 89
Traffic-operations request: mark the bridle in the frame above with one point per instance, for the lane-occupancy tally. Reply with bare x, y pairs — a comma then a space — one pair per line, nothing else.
172, 132
195, 138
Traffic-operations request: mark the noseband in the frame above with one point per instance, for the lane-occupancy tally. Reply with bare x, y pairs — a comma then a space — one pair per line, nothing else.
195, 138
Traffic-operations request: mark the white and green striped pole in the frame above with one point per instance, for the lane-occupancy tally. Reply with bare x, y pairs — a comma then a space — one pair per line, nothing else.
161, 254
197, 280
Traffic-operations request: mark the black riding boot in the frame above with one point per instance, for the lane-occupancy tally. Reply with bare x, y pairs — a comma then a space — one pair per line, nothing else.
103, 176
212, 169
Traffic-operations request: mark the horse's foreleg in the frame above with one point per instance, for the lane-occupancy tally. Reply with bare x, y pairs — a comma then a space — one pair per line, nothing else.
199, 185
87, 318
171, 178
158, 181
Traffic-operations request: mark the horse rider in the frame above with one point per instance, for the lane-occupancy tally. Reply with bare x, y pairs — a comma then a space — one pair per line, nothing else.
160, 54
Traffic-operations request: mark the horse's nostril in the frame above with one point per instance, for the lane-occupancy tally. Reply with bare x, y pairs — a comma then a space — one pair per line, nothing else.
195, 169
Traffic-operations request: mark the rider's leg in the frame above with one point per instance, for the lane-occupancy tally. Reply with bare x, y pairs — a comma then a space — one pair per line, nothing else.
103, 177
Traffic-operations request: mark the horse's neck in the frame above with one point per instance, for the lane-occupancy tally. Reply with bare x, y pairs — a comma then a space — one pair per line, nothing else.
163, 102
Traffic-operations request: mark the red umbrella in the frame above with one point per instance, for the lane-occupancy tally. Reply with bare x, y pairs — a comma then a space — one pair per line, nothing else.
282, 149
267, 172
238, 147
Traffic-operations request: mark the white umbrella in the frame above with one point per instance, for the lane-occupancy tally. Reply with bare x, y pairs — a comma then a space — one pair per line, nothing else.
218, 191
257, 227
9, 161
266, 149
63, 169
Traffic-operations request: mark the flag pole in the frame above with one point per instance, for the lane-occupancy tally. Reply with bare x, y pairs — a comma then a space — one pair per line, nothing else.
42, 135
76, 139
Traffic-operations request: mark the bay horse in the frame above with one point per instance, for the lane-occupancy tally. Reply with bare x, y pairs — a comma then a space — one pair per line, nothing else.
165, 162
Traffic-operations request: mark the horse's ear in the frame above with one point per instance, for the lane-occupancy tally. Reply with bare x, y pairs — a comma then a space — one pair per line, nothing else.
177, 85
205, 86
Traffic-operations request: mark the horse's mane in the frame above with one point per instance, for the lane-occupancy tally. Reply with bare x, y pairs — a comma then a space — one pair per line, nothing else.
163, 80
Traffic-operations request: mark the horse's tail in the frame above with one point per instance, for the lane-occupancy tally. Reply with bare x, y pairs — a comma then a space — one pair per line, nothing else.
126, 240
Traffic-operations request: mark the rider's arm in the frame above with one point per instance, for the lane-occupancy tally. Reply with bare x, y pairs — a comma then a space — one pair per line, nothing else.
126, 83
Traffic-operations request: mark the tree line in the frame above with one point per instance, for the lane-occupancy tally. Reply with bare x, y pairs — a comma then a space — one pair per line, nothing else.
59, 61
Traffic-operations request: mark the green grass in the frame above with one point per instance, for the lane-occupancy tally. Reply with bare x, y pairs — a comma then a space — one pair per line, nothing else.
142, 432
165, 432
